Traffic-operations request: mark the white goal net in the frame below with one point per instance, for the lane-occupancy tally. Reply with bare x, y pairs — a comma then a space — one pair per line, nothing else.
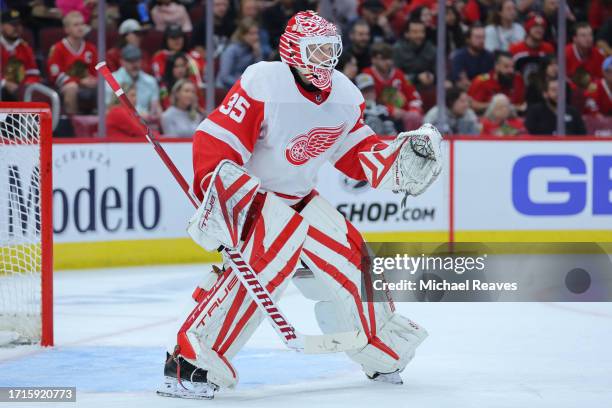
23, 160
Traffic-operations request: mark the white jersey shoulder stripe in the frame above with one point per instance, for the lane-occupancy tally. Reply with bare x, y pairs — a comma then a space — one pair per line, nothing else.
220, 133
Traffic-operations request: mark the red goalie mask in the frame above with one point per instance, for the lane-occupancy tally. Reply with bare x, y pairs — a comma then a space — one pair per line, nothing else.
311, 44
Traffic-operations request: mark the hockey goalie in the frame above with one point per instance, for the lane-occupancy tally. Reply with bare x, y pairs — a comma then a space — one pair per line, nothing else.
256, 159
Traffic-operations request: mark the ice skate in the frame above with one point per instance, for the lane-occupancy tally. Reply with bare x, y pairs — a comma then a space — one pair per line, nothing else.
184, 380
389, 378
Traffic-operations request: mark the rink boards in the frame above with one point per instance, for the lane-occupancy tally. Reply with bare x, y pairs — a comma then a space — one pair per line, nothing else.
116, 204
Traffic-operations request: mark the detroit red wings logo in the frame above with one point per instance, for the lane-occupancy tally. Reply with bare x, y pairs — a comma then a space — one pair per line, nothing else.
307, 146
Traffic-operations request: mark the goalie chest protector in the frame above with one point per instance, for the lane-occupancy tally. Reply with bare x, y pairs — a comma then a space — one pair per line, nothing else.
297, 135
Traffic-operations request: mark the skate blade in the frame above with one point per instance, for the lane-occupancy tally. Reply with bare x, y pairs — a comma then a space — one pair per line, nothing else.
184, 395
171, 388
390, 378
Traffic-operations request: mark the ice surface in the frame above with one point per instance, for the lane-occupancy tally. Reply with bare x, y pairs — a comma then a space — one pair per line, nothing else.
112, 326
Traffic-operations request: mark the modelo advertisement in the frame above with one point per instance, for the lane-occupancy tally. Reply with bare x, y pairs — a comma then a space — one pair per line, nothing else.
534, 185
118, 191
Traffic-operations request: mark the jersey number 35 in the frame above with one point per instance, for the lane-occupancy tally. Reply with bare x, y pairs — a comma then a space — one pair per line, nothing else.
236, 107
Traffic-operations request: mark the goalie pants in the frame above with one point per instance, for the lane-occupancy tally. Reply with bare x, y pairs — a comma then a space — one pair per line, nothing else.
225, 316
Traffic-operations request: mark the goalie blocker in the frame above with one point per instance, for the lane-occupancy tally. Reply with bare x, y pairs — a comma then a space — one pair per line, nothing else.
273, 238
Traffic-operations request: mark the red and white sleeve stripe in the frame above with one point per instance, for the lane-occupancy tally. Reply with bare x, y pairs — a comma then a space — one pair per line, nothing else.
229, 132
361, 138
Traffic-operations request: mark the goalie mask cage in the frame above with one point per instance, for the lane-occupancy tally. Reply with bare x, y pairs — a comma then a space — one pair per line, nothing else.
26, 231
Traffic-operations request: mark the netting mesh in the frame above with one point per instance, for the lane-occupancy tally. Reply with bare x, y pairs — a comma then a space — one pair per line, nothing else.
20, 242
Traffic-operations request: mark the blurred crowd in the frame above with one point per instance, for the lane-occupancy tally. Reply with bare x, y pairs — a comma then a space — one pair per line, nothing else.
501, 79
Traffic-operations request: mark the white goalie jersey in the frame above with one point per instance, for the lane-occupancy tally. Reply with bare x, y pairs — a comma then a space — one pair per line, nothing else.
282, 133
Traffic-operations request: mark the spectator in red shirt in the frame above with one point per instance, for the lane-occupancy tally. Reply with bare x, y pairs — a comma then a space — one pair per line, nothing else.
599, 100
130, 32
16, 56
500, 118
72, 64
581, 55
119, 121
392, 87
503, 79
528, 54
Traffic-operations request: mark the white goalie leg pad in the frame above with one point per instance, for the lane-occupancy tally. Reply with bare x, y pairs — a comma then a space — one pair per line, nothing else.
222, 322
220, 218
399, 333
332, 251
409, 164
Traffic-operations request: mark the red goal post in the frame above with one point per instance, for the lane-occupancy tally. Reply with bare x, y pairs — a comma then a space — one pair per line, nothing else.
26, 224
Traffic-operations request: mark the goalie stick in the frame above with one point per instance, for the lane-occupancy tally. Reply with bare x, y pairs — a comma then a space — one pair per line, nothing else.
310, 344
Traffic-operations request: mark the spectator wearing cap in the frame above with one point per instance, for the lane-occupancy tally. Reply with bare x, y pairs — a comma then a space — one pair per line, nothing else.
147, 91
71, 65
130, 32
17, 60
244, 50
503, 30
169, 12
500, 118
529, 53
503, 79
175, 41
393, 89
471, 60
359, 44
375, 115
541, 118
373, 12
460, 118
599, 99
581, 56
182, 118
415, 55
